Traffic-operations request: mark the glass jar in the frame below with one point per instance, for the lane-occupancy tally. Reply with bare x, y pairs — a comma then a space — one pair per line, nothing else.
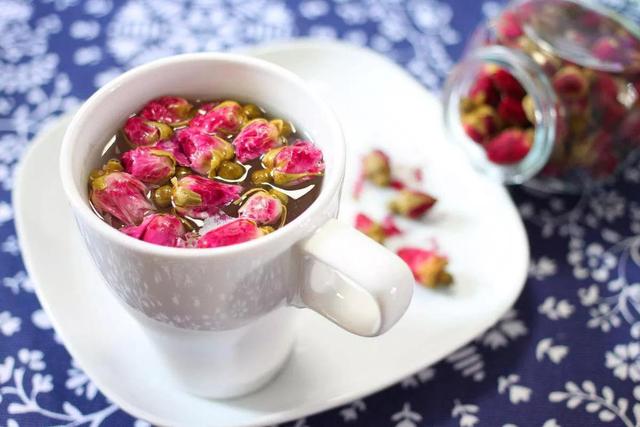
547, 90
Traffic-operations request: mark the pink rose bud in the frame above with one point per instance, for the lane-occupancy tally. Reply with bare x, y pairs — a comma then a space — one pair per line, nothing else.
263, 208
481, 123
507, 84
376, 168
255, 139
205, 152
484, 91
234, 232
607, 49
200, 197
149, 165
570, 83
171, 146
389, 227
428, 267
171, 110
142, 132
294, 164
121, 196
511, 111
159, 229
370, 227
509, 27
509, 146
225, 118
412, 203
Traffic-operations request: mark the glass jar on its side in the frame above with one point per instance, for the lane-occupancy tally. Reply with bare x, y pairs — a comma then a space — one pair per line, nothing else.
548, 94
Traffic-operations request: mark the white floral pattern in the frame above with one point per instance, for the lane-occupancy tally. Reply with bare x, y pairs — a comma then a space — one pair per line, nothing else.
576, 325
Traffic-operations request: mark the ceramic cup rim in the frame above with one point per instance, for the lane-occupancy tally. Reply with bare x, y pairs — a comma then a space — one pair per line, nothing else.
331, 183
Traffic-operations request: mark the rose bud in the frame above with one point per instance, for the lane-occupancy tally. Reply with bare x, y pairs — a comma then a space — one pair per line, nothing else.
612, 113
484, 91
509, 146
255, 139
171, 110
120, 195
412, 203
376, 168
511, 111
389, 227
570, 83
507, 84
205, 152
630, 128
200, 197
369, 227
529, 108
225, 118
149, 165
428, 267
481, 123
142, 132
508, 27
607, 49
171, 146
263, 207
231, 233
294, 164
159, 229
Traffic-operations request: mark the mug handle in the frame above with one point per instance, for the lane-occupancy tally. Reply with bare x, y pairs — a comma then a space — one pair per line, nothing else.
353, 281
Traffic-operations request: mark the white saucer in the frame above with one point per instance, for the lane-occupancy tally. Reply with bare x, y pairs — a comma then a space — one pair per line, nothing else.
475, 223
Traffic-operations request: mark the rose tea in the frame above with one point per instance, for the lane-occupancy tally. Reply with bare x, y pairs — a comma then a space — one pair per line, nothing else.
204, 174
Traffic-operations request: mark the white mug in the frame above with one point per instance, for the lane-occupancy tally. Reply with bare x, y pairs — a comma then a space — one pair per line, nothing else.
223, 318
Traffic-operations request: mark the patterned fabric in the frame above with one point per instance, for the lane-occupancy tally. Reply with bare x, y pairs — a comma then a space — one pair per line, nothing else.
567, 354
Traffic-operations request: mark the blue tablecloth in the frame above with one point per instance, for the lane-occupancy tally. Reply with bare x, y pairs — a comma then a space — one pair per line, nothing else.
567, 354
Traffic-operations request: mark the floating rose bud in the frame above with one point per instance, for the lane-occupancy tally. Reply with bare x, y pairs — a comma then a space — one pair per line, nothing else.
607, 49
294, 164
142, 132
255, 139
428, 267
234, 232
412, 203
172, 146
509, 146
570, 83
263, 208
171, 110
205, 152
159, 229
511, 111
200, 197
370, 227
507, 84
225, 118
121, 196
377, 168
149, 165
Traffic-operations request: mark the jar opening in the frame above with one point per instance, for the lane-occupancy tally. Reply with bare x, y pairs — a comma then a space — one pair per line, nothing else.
517, 148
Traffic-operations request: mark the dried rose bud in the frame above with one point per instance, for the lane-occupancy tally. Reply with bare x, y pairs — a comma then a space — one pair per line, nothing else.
233, 232
172, 146
159, 229
205, 152
120, 195
294, 164
262, 207
377, 168
412, 203
604, 87
389, 227
484, 91
607, 49
512, 112
507, 84
255, 139
370, 227
529, 108
149, 165
428, 267
171, 110
225, 118
570, 83
481, 123
508, 26
509, 146
630, 128
141, 132
612, 113
200, 197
